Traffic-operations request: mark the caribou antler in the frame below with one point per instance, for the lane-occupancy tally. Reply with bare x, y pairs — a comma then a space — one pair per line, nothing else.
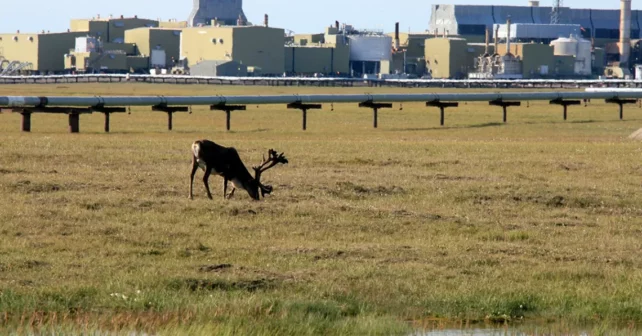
273, 159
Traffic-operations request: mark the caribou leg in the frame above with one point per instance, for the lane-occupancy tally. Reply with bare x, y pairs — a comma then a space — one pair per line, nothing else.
208, 171
191, 177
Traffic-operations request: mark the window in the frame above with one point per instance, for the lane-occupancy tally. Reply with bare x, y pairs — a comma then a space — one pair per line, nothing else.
220, 41
214, 40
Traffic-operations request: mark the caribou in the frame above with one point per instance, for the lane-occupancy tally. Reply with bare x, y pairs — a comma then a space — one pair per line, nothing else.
226, 162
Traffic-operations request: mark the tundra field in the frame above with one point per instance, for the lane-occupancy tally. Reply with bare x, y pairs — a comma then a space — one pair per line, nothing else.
368, 231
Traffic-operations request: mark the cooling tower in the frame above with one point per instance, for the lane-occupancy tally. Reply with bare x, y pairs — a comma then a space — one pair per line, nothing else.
226, 12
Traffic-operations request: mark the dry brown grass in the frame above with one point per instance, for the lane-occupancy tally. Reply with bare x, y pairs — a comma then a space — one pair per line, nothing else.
366, 230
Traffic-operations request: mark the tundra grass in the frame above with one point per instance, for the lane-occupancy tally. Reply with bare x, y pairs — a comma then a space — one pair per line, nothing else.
368, 231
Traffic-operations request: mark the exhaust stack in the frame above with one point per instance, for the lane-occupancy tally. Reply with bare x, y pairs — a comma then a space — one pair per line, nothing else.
397, 35
625, 32
497, 40
265, 20
508, 35
487, 41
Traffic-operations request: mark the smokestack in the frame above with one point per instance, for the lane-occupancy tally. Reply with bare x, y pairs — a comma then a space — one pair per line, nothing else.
487, 41
265, 21
336, 24
508, 35
397, 35
625, 31
497, 39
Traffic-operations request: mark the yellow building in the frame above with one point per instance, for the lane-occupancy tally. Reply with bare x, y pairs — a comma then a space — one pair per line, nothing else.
110, 29
44, 51
173, 24
253, 46
147, 39
305, 39
325, 58
448, 57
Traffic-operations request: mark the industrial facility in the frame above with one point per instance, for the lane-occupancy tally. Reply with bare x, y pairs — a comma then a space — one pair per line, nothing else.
461, 41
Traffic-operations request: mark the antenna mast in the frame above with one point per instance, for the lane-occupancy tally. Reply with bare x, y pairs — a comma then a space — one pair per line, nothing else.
557, 11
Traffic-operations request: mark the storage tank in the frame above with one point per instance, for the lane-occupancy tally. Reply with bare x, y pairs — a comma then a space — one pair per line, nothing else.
565, 46
638, 71
578, 47
370, 48
583, 58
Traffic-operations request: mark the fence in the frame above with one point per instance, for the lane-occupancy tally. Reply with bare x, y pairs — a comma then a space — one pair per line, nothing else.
75, 106
320, 81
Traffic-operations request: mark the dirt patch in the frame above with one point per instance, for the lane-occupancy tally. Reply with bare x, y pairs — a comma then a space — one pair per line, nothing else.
215, 268
556, 202
33, 264
4, 171
370, 162
329, 255
224, 285
445, 177
30, 187
350, 190
440, 163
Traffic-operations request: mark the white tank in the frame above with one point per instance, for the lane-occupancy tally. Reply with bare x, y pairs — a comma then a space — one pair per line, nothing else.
565, 46
578, 47
372, 48
583, 58
638, 72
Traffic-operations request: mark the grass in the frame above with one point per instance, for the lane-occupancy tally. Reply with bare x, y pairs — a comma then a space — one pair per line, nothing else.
368, 231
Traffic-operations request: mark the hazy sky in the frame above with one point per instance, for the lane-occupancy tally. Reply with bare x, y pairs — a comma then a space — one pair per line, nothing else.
300, 16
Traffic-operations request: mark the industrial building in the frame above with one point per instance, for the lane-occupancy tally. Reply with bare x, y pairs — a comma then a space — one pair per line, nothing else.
258, 47
162, 45
314, 54
448, 58
39, 53
92, 55
471, 21
528, 42
110, 29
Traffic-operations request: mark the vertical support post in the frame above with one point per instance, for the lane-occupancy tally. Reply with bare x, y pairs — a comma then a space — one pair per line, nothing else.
304, 109
375, 114
305, 118
26, 121
228, 112
504, 105
170, 112
74, 122
442, 109
107, 115
621, 103
621, 111
375, 110
565, 104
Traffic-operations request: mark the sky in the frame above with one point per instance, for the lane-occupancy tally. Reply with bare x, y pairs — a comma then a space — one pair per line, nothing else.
299, 16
